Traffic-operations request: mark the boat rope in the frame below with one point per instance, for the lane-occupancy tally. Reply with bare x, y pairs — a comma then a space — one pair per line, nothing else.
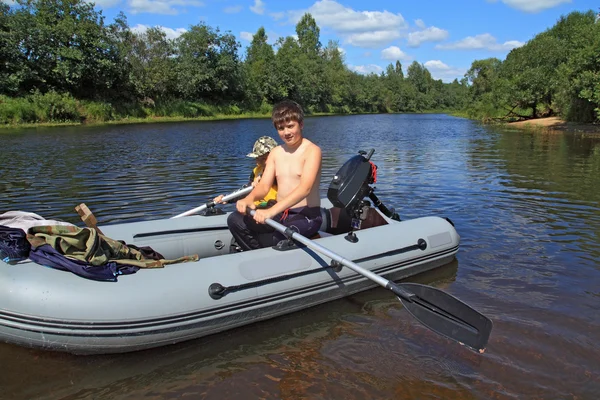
217, 291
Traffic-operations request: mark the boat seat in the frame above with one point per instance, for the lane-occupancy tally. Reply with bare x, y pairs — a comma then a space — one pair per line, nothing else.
336, 220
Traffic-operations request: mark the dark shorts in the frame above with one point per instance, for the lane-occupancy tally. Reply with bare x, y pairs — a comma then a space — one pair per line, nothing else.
251, 235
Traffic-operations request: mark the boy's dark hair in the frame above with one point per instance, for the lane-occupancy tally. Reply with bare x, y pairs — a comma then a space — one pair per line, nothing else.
287, 111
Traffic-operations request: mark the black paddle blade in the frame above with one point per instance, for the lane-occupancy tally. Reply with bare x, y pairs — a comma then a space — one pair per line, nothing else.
447, 315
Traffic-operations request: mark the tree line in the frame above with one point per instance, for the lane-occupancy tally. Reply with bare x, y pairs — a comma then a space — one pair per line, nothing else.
555, 73
60, 61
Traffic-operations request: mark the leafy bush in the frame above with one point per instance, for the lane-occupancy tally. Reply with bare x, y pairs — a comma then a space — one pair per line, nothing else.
55, 107
98, 112
15, 111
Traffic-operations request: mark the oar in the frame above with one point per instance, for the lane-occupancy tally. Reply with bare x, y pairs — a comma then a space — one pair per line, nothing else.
437, 310
228, 197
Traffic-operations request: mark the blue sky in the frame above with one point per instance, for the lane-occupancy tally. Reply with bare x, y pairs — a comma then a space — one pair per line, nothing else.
444, 35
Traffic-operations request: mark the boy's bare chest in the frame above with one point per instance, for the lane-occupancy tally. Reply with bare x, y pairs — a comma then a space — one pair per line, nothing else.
289, 165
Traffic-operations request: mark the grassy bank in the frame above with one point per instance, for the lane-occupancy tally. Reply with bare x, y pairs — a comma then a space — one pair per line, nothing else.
55, 109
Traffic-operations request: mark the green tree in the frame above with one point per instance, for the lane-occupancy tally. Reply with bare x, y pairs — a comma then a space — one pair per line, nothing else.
11, 64
482, 76
63, 45
261, 81
207, 65
335, 77
288, 72
531, 73
308, 35
153, 65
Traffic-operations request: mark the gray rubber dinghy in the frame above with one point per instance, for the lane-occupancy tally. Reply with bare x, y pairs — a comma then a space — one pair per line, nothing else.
361, 244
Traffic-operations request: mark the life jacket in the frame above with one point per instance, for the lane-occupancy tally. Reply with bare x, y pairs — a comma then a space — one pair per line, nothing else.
271, 195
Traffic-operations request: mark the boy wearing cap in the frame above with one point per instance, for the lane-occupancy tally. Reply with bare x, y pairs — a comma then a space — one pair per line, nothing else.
260, 152
296, 167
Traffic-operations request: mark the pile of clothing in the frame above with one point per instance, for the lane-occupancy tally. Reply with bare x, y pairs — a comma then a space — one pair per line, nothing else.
64, 246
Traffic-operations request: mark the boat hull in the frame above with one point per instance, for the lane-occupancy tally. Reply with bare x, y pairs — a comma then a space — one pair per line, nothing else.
55, 310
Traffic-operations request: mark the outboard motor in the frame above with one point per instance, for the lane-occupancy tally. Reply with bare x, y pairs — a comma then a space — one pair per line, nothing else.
351, 184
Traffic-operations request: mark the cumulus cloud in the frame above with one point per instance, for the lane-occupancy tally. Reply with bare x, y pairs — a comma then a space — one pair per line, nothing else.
277, 15
232, 9
369, 29
446, 73
532, 6
394, 53
431, 34
246, 36
171, 33
258, 7
420, 24
170, 7
480, 42
366, 69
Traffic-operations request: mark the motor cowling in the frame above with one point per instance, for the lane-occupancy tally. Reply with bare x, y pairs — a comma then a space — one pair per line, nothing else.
351, 183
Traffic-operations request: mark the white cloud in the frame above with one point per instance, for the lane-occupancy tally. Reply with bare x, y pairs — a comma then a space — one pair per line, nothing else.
371, 39
277, 15
480, 42
359, 28
171, 7
171, 33
9, 2
366, 69
533, 6
258, 7
431, 34
440, 70
232, 9
246, 36
420, 24
394, 53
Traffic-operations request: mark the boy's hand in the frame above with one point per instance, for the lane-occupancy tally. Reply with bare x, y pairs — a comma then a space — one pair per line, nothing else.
244, 204
218, 199
261, 216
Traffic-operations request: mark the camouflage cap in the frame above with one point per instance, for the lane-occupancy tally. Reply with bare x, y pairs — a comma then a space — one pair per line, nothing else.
263, 145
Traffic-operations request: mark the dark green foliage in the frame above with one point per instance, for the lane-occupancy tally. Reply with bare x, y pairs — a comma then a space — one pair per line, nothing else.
555, 73
59, 61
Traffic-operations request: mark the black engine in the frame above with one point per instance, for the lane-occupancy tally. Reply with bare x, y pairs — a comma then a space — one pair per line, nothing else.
351, 184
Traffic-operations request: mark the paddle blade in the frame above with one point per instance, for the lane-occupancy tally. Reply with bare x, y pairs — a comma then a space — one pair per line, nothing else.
447, 315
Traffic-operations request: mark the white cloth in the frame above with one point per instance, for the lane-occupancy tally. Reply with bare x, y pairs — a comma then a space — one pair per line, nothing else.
25, 220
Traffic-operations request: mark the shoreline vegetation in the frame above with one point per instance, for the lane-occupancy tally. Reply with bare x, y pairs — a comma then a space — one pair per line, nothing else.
63, 65
544, 124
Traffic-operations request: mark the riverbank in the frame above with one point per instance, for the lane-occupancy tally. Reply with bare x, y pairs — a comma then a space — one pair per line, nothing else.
555, 124
127, 121
157, 119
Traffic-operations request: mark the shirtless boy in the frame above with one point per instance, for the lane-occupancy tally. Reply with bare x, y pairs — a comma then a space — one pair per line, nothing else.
297, 167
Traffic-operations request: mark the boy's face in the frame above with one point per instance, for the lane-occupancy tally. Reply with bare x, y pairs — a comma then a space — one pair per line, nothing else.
290, 132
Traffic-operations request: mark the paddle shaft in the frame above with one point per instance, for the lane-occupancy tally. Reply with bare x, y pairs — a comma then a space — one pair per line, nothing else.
398, 291
437, 310
228, 197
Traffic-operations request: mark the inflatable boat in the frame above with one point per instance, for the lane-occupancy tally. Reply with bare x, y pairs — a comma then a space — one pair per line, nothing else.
49, 309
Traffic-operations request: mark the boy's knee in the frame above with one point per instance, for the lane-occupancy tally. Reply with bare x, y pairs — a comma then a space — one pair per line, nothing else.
235, 219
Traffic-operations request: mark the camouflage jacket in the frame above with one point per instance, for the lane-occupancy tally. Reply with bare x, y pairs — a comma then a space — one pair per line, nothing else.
87, 245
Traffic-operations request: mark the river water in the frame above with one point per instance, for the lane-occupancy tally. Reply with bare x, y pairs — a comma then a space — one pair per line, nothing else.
525, 204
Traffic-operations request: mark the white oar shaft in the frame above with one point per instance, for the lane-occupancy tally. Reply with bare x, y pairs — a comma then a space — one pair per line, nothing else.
228, 197
334, 256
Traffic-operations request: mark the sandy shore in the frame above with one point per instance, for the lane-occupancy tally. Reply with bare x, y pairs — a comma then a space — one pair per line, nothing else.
555, 124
